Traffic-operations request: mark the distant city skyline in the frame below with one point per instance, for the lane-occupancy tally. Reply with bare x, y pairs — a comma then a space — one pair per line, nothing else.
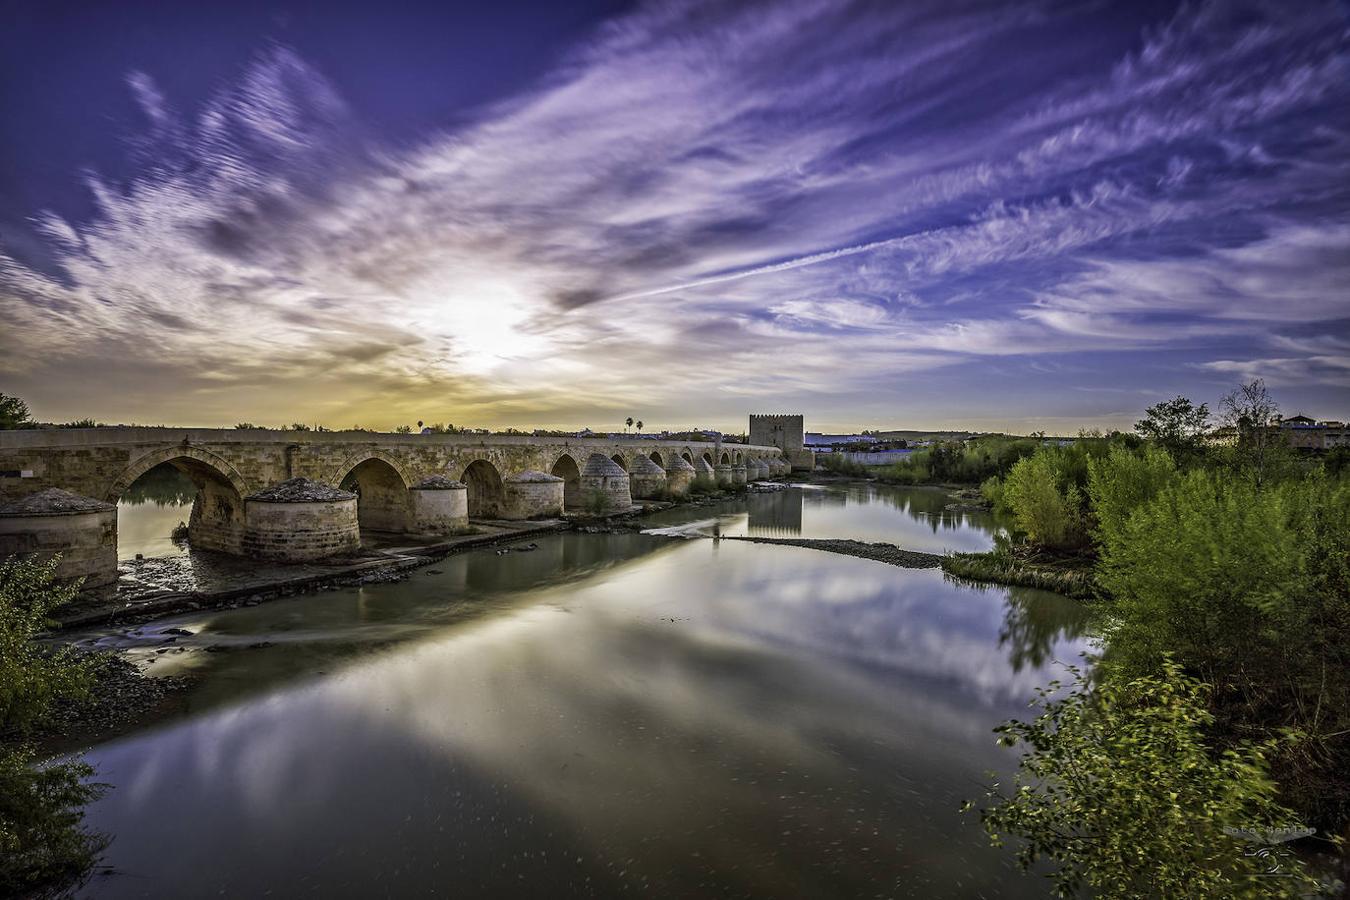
967, 216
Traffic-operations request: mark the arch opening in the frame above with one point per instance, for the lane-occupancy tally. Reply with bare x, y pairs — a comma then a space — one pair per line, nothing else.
382, 502
566, 468
725, 459
688, 457
708, 457
655, 456
154, 505
486, 496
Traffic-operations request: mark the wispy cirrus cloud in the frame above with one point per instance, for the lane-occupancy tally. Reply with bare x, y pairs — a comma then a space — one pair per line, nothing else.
705, 208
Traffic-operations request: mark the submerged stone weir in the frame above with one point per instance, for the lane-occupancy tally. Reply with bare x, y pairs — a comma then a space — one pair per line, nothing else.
81, 529
532, 495
605, 479
439, 505
299, 520
646, 479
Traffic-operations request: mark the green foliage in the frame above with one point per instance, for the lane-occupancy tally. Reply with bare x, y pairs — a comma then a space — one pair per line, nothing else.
403, 429
1042, 491
43, 849
836, 463
1247, 587
1176, 425
1120, 791
1124, 481
31, 676
81, 423
960, 462
13, 413
42, 846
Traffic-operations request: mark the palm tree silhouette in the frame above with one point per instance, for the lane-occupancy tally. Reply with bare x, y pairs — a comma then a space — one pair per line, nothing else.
628, 423
639, 426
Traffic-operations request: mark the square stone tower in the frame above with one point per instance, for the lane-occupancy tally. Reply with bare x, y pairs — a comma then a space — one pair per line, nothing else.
788, 433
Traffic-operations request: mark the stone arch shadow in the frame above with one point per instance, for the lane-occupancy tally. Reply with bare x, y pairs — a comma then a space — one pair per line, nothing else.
381, 486
486, 494
566, 468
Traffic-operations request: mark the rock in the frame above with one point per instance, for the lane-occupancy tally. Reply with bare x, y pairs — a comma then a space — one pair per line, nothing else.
181, 632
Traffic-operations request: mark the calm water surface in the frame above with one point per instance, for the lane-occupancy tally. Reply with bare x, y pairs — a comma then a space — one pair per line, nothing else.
916, 518
608, 715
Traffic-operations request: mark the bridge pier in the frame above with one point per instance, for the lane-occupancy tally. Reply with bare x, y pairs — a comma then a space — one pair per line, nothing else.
82, 530
646, 480
439, 505
532, 495
604, 482
679, 475
300, 520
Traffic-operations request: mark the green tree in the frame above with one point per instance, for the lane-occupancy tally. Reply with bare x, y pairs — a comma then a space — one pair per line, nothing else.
1119, 790
1176, 425
43, 846
1048, 505
13, 413
1247, 587
403, 429
1123, 482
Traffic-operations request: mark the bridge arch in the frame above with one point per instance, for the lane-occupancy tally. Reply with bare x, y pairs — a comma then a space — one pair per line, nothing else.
688, 455
622, 463
381, 487
655, 456
221, 467
566, 468
724, 459
708, 457
217, 518
486, 495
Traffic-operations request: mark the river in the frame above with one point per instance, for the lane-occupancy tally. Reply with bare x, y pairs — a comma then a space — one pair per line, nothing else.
606, 715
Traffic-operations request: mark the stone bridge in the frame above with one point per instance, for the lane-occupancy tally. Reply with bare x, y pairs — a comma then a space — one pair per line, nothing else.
497, 476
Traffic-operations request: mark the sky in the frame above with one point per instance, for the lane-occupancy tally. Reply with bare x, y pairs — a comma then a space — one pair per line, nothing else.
994, 216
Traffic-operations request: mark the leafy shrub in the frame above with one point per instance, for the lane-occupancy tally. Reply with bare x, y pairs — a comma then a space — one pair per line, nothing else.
1047, 504
1123, 482
42, 846
1119, 789
1249, 589
836, 463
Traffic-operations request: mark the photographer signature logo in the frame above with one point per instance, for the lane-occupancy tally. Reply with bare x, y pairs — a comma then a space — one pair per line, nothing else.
1268, 853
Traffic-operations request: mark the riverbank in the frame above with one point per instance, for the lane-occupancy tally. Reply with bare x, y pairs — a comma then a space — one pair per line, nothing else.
1071, 576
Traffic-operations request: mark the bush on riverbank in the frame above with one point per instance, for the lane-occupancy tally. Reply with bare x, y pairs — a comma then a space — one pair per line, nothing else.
959, 462
836, 464
43, 847
1120, 790
1231, 563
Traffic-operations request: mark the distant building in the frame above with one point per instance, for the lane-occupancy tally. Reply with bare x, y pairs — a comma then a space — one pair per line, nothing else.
1304, 433
813, 440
